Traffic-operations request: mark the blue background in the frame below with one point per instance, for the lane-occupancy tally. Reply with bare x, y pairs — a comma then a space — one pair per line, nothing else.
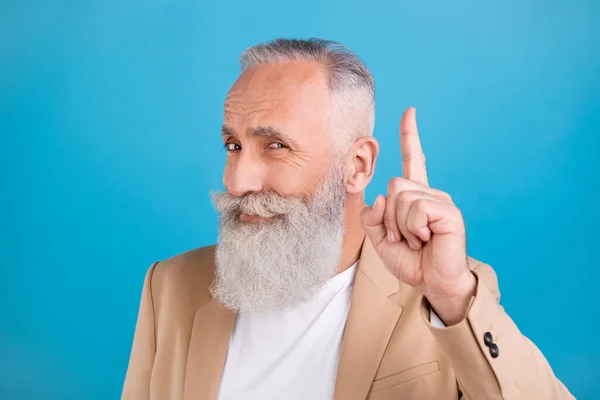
109, 119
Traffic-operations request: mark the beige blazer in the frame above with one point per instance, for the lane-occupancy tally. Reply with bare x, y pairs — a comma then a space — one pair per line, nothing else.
389, 350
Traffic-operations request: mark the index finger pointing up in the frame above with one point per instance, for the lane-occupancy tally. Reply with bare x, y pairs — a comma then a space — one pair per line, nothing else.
413, 159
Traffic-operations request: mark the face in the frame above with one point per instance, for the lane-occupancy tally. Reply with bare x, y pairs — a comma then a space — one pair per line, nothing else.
281, 225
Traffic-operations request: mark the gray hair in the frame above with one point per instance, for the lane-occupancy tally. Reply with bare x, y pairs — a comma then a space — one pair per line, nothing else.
351, 85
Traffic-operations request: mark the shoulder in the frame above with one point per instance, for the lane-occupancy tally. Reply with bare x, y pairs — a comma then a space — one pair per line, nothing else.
185, 277
196, 265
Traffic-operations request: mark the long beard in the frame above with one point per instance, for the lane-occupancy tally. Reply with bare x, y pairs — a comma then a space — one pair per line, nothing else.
283, 261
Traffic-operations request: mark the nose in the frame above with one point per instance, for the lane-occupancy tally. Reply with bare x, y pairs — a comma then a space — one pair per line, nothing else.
245, 175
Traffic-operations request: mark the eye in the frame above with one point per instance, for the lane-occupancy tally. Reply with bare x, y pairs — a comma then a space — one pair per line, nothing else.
232, 146
277, 145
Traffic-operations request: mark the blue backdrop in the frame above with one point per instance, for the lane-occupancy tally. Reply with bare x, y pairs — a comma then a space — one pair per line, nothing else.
109, 118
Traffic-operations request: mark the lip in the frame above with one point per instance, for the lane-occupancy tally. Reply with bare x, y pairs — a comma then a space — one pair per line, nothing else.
253, 219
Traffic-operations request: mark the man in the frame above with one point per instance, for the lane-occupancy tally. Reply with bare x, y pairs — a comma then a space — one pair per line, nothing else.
309, 293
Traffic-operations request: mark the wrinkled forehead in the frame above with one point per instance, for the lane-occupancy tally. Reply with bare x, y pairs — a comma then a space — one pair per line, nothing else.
291, 96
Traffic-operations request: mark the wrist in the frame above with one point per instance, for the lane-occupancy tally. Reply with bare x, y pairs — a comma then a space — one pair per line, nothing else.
452, 307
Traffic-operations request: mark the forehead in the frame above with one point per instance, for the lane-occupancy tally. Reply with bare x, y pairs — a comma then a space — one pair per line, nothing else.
291, 96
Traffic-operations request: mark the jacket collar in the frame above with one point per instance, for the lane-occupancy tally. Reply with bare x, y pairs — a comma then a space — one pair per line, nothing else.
371, 320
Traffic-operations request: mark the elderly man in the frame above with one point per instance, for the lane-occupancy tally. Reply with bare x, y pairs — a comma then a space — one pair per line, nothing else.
310, 294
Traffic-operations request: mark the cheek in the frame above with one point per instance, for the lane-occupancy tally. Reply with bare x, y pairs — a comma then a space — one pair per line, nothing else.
292, 182
286, 183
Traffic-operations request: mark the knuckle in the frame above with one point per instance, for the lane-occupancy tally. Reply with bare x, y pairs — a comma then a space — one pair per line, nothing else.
395, 184
446, 196
420, 205
404, 197
441, 194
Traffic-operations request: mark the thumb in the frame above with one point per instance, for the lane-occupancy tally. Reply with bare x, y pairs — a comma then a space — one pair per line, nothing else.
372, 220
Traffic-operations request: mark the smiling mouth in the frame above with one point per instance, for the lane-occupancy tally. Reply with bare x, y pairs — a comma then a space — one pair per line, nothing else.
252, 219
255, 219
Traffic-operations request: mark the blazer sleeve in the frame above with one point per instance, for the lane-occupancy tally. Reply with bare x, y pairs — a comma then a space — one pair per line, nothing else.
139, 370
519, 370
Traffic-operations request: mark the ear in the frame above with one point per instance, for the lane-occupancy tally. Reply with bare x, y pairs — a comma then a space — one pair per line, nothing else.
360, 164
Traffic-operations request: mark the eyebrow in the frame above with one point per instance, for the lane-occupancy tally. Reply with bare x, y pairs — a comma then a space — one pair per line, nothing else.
262, 131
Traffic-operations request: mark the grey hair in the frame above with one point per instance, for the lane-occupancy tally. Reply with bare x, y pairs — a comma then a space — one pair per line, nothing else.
351, 85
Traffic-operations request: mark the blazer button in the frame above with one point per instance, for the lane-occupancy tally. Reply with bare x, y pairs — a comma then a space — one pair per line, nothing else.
494, 350
488, 338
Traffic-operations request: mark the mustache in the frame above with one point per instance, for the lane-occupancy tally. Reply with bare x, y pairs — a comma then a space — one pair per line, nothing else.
262, 204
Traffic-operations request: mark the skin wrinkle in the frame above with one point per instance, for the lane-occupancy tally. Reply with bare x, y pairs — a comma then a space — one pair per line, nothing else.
310, 195
265, 132
293, 157
238, 107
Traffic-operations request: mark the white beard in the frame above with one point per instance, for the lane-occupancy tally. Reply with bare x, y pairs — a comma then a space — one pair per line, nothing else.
281, 262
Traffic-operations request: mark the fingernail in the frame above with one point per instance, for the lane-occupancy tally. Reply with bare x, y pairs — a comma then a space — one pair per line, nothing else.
391, 236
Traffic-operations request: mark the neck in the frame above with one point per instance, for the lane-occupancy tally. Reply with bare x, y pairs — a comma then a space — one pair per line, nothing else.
354, 235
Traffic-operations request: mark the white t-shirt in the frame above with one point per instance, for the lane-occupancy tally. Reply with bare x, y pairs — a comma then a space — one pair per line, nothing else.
291, 354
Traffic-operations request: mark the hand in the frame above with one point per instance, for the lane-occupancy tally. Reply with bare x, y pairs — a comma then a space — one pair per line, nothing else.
419, 233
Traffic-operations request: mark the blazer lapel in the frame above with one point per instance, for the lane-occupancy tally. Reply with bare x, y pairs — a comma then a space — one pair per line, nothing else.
371, 321
209, 342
